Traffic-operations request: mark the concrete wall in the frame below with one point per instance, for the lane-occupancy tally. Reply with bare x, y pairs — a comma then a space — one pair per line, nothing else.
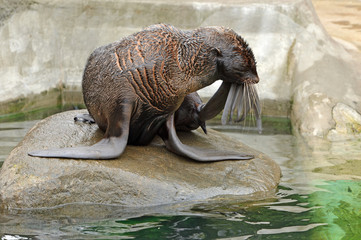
46, 44
303, 72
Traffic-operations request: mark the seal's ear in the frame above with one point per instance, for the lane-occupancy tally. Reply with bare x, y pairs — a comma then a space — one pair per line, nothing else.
220, 60
218, 52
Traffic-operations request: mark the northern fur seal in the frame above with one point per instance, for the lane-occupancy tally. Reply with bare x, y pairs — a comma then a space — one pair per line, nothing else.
132, 88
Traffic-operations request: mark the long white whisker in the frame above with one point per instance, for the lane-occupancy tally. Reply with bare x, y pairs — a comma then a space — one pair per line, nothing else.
240, 103
229, 101
235, 101
257, 109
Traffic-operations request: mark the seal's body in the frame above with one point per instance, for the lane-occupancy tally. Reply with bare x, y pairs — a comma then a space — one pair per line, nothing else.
153, 70
132, 88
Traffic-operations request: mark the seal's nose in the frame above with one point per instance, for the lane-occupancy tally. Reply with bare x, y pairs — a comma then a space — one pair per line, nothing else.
252, 79
255, 79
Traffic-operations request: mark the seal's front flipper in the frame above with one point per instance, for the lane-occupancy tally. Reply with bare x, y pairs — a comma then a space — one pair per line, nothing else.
110, 147
172, 142
216, 104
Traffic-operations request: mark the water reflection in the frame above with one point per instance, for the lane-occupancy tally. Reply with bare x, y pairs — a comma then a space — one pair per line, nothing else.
10, 135
319, 215
333, 212
339, 207
311, 202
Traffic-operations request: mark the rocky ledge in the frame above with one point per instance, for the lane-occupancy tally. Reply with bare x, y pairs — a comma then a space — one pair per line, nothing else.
142, 176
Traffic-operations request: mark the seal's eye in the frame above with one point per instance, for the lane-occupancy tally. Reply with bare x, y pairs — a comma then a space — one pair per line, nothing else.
240, 68
218, 52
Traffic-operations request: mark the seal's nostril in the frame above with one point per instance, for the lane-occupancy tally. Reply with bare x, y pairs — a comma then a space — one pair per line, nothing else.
251, 80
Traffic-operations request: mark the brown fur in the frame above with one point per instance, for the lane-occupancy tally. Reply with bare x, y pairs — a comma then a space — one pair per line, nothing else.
153, 70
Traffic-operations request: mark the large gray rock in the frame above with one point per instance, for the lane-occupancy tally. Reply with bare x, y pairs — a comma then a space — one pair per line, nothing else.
348, 123
325, 75
142, 176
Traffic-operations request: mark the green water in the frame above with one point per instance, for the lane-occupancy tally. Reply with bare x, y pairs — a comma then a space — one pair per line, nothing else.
312, 202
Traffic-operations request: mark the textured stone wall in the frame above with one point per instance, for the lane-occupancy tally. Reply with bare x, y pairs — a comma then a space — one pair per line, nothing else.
303, 72
46, 43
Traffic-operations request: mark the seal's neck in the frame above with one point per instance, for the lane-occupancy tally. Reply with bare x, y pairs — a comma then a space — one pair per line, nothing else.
197, 59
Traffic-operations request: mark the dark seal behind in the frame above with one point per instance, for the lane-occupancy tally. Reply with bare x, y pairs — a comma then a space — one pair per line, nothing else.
132, 88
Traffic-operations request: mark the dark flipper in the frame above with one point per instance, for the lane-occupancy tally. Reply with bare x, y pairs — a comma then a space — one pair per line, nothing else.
84, 118
173, 144
216, 104
107, 148
110, 147
244, 97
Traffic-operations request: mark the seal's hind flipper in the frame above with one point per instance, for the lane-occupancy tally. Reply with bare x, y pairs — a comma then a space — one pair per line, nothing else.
107, 148
110, 147
173, 144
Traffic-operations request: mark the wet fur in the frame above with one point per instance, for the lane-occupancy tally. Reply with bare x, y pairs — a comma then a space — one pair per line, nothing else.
132, 88
156, 68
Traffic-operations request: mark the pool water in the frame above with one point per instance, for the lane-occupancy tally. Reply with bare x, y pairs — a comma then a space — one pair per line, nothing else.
315, 200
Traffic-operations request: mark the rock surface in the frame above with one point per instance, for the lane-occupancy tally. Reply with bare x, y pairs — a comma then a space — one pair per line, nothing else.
348, 123
142, 176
